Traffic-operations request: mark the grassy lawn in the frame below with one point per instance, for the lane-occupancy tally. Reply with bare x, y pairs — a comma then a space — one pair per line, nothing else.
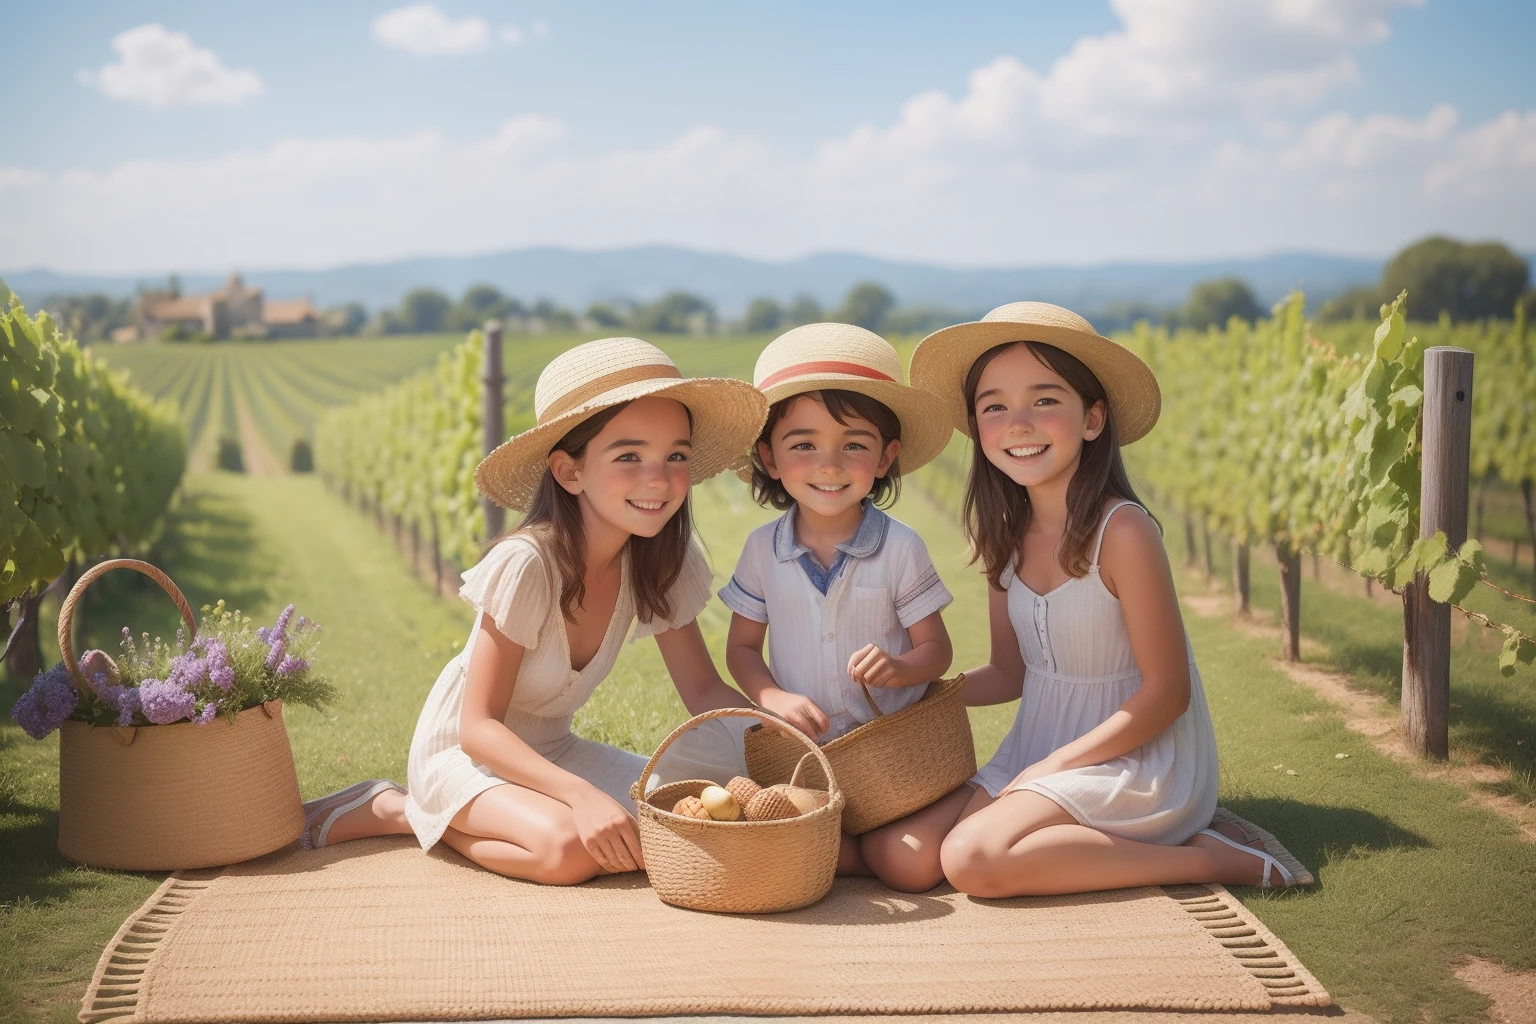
1413, 875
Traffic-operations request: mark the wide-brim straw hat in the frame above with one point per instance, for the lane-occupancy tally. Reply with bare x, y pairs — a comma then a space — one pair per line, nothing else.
727, 414
942, 360
843, 357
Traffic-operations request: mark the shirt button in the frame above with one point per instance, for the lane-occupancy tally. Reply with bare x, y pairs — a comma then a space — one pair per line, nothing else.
831, 637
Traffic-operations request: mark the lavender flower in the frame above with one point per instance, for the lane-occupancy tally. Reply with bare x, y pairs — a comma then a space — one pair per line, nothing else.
51, 699
207, 714
163, 702
122, 699
277, 638
291, 665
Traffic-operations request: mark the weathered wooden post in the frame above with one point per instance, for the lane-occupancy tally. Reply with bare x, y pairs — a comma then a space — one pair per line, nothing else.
490, 414
1446, 459
1240, 578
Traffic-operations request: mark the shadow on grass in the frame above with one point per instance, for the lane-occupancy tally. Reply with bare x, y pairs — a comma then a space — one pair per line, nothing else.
1318, 833
35, 872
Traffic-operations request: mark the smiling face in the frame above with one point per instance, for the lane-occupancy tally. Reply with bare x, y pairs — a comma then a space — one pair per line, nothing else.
1030, 423
633, 475
826, 466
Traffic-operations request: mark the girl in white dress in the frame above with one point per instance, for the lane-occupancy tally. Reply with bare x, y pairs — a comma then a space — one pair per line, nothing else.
1108, 777
495, 771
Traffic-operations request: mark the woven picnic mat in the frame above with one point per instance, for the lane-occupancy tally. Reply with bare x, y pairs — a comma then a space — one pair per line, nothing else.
376, 930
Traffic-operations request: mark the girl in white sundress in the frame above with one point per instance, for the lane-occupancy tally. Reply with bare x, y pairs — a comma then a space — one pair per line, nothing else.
495, 771
1108, 777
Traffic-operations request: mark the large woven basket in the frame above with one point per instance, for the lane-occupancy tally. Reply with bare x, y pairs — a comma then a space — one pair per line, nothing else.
738, 867
890, 767
171, 797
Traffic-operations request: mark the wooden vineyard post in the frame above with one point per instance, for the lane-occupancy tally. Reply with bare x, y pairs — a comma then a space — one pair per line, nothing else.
1240, 578
1191, 553
1210, 564
491, 416
1446, 459
1290, 601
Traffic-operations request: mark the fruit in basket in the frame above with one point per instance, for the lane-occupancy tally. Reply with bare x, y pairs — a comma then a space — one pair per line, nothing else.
690, 807
743, 789
784, 801
720, 804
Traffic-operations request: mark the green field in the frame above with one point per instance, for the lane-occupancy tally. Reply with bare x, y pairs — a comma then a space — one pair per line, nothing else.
1415, 875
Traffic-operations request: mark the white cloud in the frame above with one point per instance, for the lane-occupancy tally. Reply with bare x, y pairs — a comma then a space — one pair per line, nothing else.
997, 174
512, 35
540, 29
161, 68
424, 30
516, 35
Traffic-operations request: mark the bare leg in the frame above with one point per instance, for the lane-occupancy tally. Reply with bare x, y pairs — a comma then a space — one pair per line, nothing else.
1025, 844
521, 833
384, 815
905, 854
850, 861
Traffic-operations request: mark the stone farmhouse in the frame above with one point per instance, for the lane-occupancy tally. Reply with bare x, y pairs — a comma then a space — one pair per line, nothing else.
233, 310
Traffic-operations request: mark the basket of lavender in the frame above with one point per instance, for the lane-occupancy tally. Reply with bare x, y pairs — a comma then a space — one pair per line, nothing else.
174, 755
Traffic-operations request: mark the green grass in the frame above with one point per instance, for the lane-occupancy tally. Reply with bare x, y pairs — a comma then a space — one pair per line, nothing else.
1413, 875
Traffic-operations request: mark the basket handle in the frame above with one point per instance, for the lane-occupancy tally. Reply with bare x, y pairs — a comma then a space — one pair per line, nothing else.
67, 610
638, 789
870, 698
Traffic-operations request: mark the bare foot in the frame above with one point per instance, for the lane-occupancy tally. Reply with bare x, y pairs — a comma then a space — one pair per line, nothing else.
1234, 867
384, 815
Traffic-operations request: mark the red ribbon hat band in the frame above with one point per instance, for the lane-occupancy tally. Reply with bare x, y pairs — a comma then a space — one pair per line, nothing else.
818, 367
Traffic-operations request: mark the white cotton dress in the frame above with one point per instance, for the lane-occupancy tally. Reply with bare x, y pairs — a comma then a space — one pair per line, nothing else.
515, 585
1078, 671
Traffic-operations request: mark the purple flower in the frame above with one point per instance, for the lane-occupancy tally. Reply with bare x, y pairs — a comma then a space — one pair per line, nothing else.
292, 664
165, 702
188, 671
275, 656
207, 714
122, 699
277, 637
51, 699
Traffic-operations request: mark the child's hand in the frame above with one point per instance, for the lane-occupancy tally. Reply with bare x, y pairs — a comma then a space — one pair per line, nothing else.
608, 832
873, 667
799, 711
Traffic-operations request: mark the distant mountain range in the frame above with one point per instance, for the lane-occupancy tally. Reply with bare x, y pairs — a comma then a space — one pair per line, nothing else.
575, 279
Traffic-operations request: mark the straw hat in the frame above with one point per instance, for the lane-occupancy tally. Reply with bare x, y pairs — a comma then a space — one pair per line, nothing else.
727, 413
942, 360
847, 358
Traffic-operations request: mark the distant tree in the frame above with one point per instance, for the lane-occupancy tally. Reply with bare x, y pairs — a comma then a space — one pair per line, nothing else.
478, 304
763, 315
604, 315
674, 313
1217, 301
423, 311
803, 310
922, 319
552, 317
348, 318
1362, 302
866, 304
91, 317
1465, 280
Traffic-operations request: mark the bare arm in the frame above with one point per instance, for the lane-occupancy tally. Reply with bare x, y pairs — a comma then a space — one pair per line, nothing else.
744, 658
1001, 679
483, 733
1134, 565
693, 672
928, 659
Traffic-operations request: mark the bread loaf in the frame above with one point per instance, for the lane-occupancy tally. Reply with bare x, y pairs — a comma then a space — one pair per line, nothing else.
690, 807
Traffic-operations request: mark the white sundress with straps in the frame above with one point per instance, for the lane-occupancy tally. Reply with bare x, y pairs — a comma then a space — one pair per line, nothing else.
1078, 671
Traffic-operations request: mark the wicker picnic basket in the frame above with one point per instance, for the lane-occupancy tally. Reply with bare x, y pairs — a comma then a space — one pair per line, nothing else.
738, 867
171, 797
888, 768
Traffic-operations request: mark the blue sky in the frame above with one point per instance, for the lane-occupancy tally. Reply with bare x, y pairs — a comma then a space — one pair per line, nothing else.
159, 135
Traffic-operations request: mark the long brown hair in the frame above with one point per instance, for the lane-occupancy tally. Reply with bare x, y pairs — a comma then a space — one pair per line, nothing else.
997, 510
555, 515
841, 404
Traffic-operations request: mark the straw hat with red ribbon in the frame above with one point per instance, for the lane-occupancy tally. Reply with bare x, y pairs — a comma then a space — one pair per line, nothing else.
727, 414
843, 357
942, 360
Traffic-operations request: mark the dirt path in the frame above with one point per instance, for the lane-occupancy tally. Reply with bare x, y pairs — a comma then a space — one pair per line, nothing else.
259, 460
1366, 713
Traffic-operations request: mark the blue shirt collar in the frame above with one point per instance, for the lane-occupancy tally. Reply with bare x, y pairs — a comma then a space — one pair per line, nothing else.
866, 540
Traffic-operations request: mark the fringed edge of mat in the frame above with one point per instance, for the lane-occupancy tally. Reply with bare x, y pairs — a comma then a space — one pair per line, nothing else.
1268, 960
113, 994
